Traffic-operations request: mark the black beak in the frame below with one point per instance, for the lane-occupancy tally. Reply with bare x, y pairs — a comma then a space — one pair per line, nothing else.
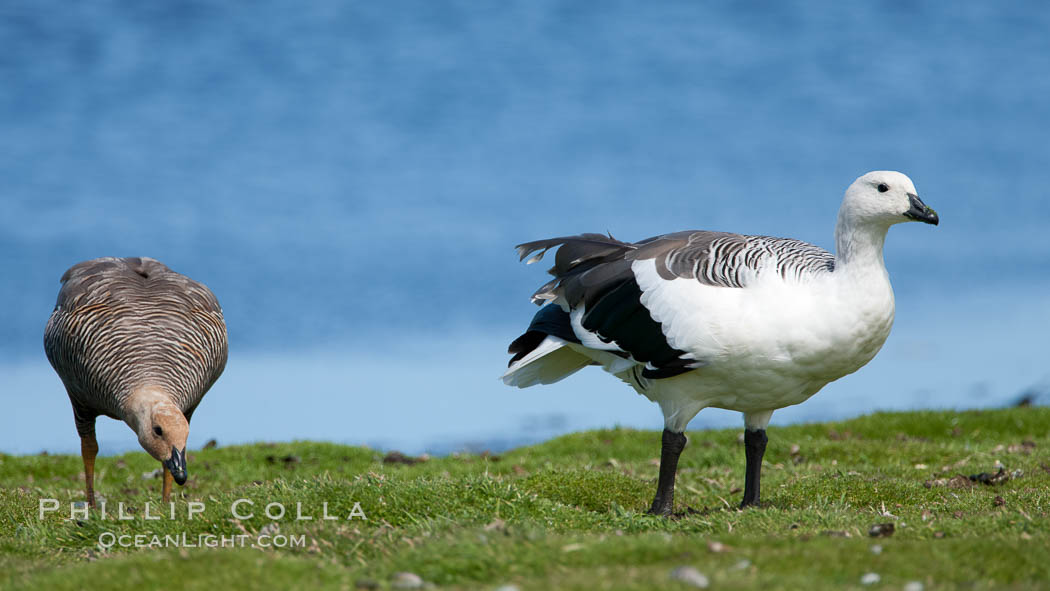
176, 464
919, 212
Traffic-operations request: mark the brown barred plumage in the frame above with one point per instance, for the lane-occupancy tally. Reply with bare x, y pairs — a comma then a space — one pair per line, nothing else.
130, 339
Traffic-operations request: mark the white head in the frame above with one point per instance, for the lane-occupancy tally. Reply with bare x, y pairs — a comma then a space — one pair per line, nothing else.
883, 198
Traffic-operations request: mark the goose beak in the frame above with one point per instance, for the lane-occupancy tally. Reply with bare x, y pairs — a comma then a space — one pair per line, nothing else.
176, 464
920, 212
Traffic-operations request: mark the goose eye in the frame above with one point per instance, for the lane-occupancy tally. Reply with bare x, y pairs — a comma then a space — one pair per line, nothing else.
158, 431
883, 187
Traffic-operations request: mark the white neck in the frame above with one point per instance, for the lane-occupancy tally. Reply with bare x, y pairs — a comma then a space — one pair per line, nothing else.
858, 247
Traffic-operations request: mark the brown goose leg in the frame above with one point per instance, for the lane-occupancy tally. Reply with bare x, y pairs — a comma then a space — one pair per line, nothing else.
165, 494
88, 451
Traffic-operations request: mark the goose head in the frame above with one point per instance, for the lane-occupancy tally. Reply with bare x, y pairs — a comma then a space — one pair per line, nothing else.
162, 430
883, 198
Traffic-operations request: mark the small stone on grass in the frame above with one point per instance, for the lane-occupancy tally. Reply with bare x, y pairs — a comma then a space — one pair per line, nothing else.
572, 547
742, 565
717, 547
690, 576
406, 581
870, 579
882, 530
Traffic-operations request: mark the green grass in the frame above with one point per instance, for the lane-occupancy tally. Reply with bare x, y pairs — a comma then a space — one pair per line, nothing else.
568, 513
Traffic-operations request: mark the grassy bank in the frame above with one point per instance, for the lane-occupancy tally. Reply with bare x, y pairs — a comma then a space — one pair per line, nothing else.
566, 514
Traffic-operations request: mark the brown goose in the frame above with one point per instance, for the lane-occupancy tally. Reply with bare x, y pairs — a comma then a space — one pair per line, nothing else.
137, 342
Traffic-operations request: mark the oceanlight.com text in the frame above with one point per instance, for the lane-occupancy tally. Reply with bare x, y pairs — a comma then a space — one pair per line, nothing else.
184, 540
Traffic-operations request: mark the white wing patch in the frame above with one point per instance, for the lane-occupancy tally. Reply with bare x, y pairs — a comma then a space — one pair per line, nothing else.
548, 363
684, 308
588, 338
747, 324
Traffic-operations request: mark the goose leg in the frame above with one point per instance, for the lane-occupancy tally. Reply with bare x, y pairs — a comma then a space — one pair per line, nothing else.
88, 451
671, 447
165, 494
754, 449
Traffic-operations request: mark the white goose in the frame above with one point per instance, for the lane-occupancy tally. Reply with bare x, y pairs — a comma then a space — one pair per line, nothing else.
708, 319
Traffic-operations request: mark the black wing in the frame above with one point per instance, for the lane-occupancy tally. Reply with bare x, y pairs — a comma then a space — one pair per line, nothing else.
593, 271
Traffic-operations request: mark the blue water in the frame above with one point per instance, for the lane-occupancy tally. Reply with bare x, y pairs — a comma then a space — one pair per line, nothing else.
350, 178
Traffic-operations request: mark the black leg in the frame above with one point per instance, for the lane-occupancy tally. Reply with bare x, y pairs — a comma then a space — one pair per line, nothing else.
754, 448
671, 447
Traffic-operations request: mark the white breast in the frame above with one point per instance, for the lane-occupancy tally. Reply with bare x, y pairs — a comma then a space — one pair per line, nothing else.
771, 344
